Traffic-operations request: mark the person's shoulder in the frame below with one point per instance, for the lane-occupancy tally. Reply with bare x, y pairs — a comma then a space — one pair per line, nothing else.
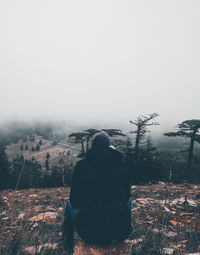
108, 154
114, 154
112, 150
80, 163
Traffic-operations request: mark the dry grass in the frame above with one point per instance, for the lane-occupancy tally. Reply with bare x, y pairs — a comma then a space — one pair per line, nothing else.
159, 221
18, 232
166, 220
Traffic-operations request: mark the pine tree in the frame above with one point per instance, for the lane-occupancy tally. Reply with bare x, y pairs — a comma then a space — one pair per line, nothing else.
29, 177
142, 123
79, 138
37, 148
189, 129
47, 164
47, 155
4, 168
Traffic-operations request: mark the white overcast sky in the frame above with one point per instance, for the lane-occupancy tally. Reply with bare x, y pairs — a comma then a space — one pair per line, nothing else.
99, 60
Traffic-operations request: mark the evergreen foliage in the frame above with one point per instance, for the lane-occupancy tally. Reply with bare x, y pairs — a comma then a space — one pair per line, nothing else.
189, 129
79, 138
37, 148
84, 138
47, 155
4, 168
142, 123
169, 161
47, 164
25, 174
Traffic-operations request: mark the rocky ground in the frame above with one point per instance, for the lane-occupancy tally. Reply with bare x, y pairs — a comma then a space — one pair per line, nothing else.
166, 220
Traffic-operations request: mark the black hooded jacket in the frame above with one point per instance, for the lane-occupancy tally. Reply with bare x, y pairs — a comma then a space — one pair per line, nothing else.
101, 190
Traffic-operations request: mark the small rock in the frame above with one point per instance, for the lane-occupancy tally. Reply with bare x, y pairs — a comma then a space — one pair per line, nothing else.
47, 217
34, 226
21, 216
166, 209
38, 208
155, 230
168, 251
181, 201
35, 250
144, 201
51, 209
171, 234
5, 218
3, 213
136, 241
33, 195
60, 234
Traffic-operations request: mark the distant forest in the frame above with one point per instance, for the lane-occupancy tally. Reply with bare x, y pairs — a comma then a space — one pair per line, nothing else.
173, 157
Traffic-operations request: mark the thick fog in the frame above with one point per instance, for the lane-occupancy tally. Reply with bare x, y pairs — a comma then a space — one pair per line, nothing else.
100, 61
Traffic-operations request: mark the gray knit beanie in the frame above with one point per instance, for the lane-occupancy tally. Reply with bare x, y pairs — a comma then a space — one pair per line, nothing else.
100, 140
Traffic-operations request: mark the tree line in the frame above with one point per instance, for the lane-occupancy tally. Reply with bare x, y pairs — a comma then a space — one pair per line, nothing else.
24, 174
146, 162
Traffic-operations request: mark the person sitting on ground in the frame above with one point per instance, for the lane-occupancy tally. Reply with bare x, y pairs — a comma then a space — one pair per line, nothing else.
99, 206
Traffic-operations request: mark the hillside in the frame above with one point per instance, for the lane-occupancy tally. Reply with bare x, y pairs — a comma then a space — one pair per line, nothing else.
56, 151
166, 220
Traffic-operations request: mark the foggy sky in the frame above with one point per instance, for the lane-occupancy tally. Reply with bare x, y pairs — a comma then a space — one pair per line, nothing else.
95, 61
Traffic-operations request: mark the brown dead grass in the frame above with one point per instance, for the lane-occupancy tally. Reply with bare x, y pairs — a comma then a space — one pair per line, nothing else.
161, 219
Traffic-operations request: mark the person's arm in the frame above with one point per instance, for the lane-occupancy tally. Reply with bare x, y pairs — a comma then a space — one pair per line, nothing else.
75, 193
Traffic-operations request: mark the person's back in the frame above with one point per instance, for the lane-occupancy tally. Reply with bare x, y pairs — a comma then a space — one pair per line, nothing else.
100, 191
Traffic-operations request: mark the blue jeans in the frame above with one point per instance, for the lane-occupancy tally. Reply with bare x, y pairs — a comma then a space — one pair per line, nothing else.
72, 211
